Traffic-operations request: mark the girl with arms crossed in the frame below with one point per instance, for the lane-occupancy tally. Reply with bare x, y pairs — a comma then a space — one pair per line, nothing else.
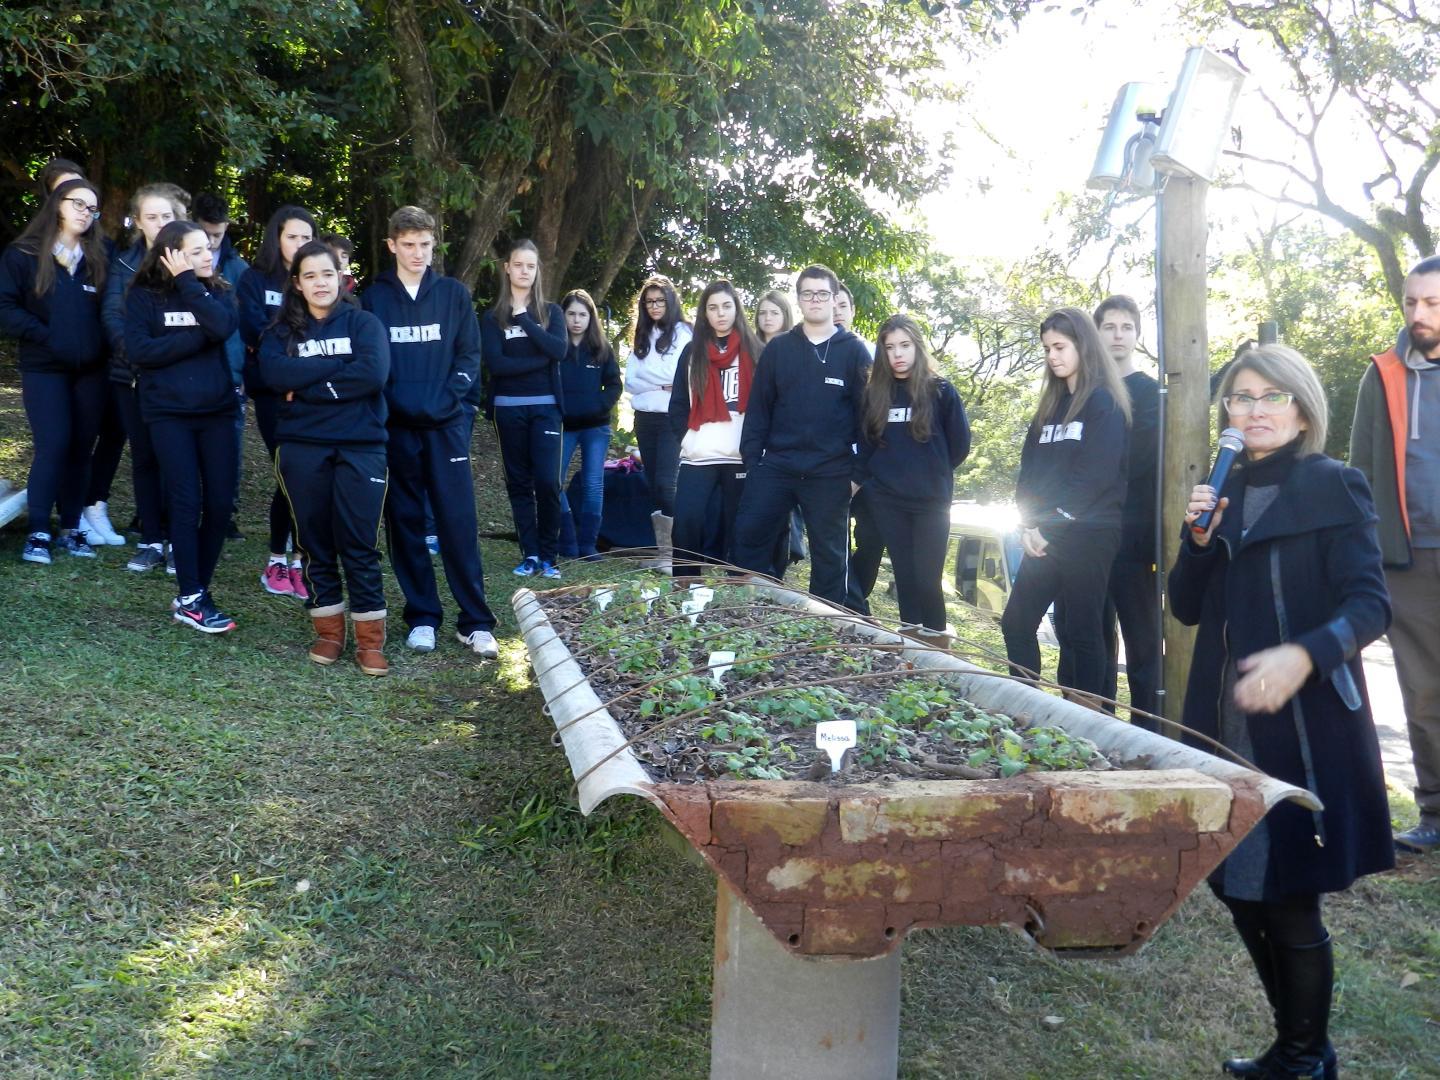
328, 361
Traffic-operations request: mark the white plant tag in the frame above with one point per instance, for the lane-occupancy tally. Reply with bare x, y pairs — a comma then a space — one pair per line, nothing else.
702, 595
720, 663
602, 598
649, 596
692, 608
835, 737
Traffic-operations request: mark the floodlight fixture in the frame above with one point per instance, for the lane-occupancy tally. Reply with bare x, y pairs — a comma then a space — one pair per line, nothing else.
1123, 161
1197, 120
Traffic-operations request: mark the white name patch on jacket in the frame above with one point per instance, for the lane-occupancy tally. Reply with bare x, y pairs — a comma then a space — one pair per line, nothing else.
514, 330
834, 382
1074, 431
409, 335
900, 416
272, 298
180, 318
335, 346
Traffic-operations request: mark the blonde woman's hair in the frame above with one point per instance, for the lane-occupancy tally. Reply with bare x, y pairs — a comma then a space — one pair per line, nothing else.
1285, 369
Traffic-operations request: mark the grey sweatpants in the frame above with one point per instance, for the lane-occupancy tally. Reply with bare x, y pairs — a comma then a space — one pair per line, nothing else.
1415, 640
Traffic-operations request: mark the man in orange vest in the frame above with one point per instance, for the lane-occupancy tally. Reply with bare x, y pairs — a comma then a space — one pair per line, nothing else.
1395, 442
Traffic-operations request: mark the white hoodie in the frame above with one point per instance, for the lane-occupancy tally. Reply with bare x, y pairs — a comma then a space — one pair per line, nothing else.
644, 376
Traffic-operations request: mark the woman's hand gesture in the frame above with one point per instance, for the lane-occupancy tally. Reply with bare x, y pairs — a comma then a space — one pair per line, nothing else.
174, 260
1033, 543
1271, 677
1202, 498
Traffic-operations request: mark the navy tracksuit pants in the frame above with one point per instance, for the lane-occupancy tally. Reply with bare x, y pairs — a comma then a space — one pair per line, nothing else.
435, 461
109, 445
267, 413
64, 413
144, 466
197, 463
917, 538
530, 444
824, 501
696, 489
337, 497
865, 556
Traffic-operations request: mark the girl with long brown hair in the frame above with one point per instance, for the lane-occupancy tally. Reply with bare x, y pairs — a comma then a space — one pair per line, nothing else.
913, 436
1071, 495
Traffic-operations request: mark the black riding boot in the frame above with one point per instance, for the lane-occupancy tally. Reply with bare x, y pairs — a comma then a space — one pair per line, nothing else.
1257, 943
1304, 981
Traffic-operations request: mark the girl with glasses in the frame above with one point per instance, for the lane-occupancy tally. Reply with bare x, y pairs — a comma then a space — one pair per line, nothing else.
1071, 495
660, 337
51, 281
1286, 587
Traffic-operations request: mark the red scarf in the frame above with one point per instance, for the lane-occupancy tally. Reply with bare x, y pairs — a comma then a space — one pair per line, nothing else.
711, 409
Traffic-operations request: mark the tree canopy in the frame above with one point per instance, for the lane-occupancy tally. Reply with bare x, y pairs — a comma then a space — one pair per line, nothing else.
736, 137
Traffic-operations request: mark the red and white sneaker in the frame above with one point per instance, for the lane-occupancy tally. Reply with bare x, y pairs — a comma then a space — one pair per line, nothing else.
297, 582
276, 580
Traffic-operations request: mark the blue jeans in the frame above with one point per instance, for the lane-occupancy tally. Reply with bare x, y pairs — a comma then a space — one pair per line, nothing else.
579, 529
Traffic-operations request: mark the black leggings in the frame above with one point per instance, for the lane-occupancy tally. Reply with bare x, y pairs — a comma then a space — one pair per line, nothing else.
197, 461
267, 414
64, 413
660, 453
1291, 923
917, 539
1075, 571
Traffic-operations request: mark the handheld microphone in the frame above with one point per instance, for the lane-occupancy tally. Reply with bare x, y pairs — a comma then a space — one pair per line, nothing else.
1232, 441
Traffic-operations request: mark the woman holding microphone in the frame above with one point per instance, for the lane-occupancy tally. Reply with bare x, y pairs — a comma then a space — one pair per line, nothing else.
1286, 588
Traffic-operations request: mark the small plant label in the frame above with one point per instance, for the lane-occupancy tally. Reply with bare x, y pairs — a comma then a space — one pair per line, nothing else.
702, 595
692, 609
602, 598
719, 663
649, 596
835, 737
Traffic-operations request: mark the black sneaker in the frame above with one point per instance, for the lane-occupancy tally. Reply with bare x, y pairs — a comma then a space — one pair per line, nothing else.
204, 616
146, 557
74, 543
37, 549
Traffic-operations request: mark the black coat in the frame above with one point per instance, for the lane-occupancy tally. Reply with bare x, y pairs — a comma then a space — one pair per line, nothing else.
1318, 538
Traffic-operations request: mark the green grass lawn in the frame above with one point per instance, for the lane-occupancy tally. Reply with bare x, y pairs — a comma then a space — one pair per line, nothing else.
219, 860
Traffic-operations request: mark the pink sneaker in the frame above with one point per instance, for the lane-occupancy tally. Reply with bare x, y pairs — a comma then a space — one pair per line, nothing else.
276, 580
297, 583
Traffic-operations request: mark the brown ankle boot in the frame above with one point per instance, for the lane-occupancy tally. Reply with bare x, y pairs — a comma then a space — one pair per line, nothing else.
370, 641
329, 634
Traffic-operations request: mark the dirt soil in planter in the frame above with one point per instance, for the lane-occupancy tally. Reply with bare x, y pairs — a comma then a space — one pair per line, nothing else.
647, 655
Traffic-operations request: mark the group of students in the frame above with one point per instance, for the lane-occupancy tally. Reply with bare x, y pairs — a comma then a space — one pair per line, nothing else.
366, 410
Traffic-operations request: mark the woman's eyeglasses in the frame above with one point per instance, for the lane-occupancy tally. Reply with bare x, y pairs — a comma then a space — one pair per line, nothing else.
655, 301
1244, 404
82, 206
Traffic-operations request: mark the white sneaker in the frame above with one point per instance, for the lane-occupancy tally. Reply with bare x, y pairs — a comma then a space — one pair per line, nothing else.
95, 523
422, 639
481, 642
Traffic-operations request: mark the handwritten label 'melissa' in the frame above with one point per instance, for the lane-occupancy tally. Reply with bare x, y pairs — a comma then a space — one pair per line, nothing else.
835, 737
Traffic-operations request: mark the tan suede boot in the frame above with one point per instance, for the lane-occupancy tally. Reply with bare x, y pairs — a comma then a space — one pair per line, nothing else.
329, 623
370, 642
664, 527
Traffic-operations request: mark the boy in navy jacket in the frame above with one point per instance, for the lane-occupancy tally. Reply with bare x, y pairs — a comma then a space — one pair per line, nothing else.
434, 368
800, 436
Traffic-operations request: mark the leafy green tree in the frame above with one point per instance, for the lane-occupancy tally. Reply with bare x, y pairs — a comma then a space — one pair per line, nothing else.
1371, 66
1329, 299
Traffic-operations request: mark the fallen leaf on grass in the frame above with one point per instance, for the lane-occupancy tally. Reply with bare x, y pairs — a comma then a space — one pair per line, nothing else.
1408, 980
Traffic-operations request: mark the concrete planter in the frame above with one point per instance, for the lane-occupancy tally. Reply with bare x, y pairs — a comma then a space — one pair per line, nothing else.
1085, 863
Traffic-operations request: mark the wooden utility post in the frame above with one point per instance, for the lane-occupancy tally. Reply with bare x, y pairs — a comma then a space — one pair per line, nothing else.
1185, 359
